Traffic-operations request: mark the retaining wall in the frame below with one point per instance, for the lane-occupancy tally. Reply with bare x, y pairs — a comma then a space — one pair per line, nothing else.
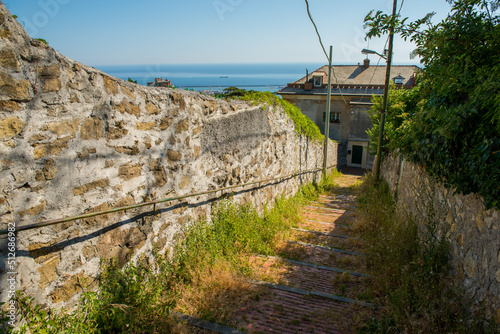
472, 231
74, 140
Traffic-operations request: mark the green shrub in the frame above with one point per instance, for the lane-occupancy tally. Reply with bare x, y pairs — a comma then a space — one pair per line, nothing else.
136, 299
42, 40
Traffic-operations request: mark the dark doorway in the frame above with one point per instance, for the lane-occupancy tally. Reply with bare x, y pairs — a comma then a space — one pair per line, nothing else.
357, 155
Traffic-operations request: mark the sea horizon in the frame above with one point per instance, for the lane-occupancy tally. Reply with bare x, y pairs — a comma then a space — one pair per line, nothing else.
216, 77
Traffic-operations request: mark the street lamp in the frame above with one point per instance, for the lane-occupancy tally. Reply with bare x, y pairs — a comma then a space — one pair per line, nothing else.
386, 91
384, 107
371, 52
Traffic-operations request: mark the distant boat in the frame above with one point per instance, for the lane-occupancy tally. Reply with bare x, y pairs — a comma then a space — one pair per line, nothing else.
224, 77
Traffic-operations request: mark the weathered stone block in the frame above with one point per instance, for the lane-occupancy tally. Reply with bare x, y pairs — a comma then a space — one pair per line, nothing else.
75, 284
86, 152
197, 130
92, 128
7, 34
128, 92
51, 85
37, 209
178, 99
165, 123
128, 200
52, 71
479, 222
110, 85
38, 137
145, 126
159, 172
129, 150
119, 244
69, 126
129, 108
100, 220
91, 186
42, 150
182, 126
14, 89
10, 127
184, 182
116, 132
174, 155
43, 252
48, 272
9, 106
152, 109
89, 252
50, 170
8, 60
128, 172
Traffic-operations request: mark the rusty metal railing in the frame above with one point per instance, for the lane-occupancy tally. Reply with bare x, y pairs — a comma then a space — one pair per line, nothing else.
153, 203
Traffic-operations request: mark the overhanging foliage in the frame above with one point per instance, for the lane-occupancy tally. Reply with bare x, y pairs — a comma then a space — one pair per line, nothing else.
450, 123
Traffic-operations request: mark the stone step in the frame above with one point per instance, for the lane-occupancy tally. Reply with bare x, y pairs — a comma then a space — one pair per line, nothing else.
210, 326
323, 233
332, 249
326, 223
326, 209
312, 265
313, 293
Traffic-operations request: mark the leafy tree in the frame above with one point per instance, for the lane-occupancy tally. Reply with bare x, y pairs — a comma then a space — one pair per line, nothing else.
454, 130
234, 92
401, 106
133, 81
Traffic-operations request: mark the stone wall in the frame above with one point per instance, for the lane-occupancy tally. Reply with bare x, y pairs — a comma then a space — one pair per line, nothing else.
472, 231
74, 140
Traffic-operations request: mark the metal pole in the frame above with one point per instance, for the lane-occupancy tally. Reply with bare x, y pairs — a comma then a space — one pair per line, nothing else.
327, 114
400, 174
386, 92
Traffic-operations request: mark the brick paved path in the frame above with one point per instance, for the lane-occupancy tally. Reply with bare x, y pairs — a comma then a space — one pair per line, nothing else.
323, 238
317, 283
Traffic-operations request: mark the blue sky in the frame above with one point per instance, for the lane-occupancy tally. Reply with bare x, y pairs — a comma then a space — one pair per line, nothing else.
123, 32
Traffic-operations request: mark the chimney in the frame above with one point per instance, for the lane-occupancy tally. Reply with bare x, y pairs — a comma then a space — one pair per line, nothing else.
307, 75
366, 62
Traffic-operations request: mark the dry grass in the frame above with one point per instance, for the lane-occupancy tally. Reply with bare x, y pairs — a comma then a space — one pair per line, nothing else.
215, 293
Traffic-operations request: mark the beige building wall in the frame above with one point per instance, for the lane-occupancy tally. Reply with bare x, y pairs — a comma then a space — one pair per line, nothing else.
351, 130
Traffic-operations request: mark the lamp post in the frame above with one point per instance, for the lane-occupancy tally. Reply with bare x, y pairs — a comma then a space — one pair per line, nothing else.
386, 92
327, 113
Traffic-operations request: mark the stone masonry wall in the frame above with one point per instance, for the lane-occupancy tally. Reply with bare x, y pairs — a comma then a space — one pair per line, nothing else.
74, 140
472, 231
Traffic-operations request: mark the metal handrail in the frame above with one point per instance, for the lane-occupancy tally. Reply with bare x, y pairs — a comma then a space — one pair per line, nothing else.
123, 208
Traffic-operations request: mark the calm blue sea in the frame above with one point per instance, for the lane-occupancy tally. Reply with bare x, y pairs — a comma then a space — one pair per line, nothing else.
216, 77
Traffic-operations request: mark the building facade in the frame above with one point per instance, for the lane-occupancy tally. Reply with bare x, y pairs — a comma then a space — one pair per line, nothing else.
352, 89
159, 82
